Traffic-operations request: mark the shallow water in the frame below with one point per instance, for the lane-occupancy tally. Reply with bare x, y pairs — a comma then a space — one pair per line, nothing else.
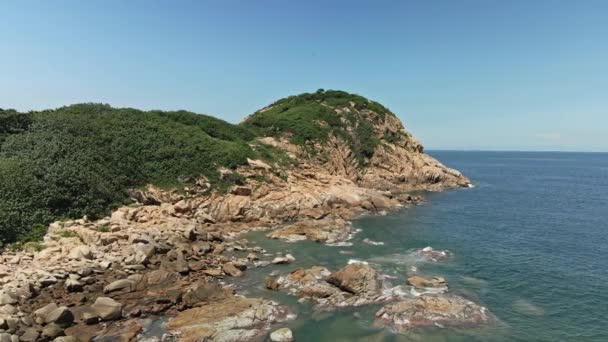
529, 241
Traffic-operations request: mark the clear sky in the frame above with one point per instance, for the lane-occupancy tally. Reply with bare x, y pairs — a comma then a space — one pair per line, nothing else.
524, 75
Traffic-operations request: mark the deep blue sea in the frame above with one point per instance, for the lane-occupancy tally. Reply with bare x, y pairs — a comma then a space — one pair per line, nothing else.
530, 242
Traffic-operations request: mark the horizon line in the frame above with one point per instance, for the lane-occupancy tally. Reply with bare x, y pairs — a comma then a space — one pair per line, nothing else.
509, 150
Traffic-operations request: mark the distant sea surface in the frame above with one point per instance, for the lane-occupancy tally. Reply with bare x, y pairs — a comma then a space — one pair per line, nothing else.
530, 242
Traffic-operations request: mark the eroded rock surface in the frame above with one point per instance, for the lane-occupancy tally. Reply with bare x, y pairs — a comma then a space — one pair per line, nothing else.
353, 285
232, 319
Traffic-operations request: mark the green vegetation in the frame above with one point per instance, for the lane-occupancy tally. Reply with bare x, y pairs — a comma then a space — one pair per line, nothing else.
81, 159
67, 234
311, 117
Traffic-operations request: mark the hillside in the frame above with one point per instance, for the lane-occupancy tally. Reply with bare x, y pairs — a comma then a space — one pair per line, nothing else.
82, 160
351, 136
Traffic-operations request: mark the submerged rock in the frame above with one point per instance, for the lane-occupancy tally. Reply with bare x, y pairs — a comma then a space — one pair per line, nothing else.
231, 269
328, 230
287, 259
353, 285
430, 254
272, 284
281, 335
430, 310
421, 283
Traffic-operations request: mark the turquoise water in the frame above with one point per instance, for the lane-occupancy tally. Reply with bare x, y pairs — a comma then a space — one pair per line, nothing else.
529, 241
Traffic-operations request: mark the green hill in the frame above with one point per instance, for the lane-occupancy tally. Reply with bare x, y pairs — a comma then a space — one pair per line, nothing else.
311, 117
81, 159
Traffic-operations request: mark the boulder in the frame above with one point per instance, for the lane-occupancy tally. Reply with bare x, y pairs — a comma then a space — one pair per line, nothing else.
7, 297
107, 308
357, 278
420, 282
281, 335
232, 270
258, 164
30, 335
85, 271
182, 207
201, 247
50, 331
8, 309
272, 284
190, 233
143, 252
41, 314
73, 285
62, 316
124, 285
203, 291
48, 281
242, 191
90, 317
81, 252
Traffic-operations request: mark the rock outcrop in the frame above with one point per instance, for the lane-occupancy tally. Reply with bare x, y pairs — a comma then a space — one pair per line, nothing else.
353, 285
231, 319
432, 310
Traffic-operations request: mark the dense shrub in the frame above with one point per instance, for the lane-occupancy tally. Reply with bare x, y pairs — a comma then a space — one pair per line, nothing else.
311, 117
80, 160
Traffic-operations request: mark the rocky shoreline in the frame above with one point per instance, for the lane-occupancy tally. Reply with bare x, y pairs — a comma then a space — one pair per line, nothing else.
173, 253
127, 268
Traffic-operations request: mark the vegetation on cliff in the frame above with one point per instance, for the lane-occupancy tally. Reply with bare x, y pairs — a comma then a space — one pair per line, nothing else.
81, 159
312, 117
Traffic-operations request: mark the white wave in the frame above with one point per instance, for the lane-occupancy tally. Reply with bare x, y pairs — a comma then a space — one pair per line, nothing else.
373, 243
357, 261
339, 244
432, 290
397, 291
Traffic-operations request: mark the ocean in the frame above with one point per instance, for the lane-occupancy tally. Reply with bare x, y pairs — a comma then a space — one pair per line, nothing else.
529, 241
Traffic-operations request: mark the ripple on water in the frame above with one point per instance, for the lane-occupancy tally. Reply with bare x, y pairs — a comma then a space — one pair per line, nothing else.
524, 307
474, 281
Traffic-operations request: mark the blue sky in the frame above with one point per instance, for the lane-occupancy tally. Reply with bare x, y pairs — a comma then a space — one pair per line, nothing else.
523, 75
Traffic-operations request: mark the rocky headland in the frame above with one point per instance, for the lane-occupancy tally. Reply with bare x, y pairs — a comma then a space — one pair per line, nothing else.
173, 252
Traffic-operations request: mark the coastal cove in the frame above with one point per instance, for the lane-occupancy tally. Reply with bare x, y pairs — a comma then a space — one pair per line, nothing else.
512, 246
